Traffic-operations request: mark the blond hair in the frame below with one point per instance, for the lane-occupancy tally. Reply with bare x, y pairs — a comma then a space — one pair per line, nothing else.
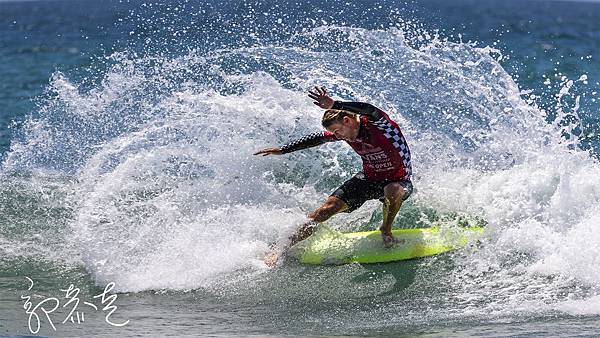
332, 116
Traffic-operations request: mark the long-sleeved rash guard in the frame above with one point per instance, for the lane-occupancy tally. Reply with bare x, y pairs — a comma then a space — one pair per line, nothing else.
380, 143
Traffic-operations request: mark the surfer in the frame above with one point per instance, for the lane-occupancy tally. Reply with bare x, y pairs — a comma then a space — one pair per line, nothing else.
386, 173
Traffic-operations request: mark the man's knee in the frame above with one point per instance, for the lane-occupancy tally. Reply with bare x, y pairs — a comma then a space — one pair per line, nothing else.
332, 206
394, 192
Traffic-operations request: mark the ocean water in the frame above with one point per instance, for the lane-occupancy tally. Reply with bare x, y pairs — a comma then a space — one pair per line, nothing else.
126, 137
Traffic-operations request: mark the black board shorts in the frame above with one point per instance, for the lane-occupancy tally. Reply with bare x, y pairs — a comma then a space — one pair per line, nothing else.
357, 190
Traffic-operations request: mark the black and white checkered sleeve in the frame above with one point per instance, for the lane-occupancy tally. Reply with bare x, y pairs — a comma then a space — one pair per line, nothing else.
307, 141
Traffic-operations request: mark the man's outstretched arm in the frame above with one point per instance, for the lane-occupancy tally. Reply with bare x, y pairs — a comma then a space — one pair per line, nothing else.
307, 141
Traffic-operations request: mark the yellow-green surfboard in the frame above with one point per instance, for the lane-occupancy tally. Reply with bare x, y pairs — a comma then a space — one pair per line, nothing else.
327, 246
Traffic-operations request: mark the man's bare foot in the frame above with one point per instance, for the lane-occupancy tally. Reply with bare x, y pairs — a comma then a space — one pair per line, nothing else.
272, 257
388, 239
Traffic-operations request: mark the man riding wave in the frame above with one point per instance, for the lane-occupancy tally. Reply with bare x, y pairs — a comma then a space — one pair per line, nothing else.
387, 169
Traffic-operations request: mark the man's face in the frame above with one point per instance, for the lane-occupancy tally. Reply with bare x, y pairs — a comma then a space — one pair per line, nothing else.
347, 129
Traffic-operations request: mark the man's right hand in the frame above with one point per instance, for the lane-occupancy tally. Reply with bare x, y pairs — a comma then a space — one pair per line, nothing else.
269, 151
321, 98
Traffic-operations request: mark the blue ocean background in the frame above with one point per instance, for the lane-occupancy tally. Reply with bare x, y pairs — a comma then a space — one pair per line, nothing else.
126, 137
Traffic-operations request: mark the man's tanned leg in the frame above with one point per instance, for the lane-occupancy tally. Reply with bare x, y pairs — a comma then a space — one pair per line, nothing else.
393, 197
332, 206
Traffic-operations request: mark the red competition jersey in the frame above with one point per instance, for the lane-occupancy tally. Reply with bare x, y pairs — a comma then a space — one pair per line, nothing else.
380, 143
